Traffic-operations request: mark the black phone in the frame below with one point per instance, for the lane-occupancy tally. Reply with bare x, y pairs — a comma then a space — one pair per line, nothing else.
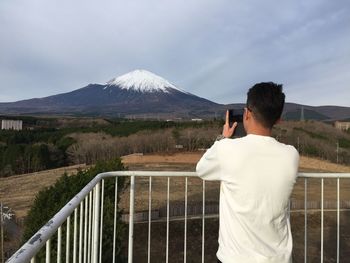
236, 116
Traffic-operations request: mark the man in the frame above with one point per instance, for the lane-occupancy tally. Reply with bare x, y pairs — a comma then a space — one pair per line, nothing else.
257, 175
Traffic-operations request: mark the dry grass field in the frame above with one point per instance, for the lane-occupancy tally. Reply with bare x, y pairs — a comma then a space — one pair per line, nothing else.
18, 192
187, 162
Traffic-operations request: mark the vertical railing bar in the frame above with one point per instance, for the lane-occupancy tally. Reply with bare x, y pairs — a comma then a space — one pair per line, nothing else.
131, 219
68, 239
203, 222
75, 235
86, 227
92, 256
81, 232
338, 219
89, 228
167, 222
96, 223
322, 186
59, 241
115, 218
305, 220
48, 251
101, 219
149, 219
185, 231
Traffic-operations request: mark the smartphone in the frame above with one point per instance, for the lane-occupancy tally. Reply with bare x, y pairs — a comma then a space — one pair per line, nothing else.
237, 116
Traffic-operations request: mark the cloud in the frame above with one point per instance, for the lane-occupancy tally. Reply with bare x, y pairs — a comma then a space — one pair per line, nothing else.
215, 49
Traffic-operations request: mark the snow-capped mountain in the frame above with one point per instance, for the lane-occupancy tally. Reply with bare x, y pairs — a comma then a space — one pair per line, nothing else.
141, 93
143, 81
137, 92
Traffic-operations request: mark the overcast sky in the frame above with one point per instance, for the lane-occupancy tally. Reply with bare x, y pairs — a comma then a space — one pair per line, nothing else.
214, 49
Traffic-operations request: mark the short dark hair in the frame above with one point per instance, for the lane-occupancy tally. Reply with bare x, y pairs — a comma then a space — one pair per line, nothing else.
266, 101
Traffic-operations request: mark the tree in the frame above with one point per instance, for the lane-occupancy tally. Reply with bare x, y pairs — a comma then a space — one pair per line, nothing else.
49, 201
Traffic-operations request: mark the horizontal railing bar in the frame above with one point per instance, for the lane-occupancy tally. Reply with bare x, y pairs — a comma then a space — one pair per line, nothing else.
194, 174
210, 216
324, 175
38, 240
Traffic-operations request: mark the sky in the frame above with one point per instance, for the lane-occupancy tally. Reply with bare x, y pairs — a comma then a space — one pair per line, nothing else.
215, 49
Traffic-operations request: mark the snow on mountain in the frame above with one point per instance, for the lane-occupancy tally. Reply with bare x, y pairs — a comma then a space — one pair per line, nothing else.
143, 81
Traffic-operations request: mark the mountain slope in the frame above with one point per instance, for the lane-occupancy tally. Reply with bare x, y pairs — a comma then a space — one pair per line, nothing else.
137, 92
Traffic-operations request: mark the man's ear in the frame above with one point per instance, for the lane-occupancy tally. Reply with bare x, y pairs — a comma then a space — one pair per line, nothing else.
245, 116
278, 121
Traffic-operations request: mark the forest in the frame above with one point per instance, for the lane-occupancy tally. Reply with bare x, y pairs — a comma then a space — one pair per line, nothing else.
46, 146
52, 143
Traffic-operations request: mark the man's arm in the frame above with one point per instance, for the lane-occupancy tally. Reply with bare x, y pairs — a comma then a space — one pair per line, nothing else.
208, 167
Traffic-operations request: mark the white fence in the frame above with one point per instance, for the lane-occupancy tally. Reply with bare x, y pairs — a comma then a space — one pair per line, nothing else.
86, 211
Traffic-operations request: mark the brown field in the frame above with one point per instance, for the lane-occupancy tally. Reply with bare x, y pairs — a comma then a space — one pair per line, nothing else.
18, 192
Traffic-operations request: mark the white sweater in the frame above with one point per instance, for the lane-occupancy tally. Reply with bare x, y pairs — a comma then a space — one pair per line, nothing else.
257, 175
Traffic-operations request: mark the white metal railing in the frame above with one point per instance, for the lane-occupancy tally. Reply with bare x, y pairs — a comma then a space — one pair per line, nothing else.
89, 204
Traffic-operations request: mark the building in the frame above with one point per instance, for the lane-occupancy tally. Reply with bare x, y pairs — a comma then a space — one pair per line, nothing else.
12, 125
342, 125
197, 120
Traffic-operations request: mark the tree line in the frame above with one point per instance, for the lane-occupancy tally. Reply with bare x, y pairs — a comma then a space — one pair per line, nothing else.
46, 148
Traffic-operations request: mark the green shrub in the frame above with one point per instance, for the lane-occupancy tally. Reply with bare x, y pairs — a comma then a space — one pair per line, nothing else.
344, 143
311, 150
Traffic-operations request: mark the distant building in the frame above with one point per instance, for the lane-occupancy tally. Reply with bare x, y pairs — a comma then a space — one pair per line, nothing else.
197, 120
342, 125
11, 125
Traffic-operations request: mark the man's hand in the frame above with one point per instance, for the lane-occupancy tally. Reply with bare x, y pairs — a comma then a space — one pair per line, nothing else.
228, 131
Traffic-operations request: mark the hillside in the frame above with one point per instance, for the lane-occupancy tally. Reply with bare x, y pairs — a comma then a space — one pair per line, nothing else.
18, 192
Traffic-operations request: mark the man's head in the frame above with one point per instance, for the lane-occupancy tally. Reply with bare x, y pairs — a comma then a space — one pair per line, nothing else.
265, 103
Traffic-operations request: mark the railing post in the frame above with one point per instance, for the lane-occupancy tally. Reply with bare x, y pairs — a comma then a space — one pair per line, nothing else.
115, 218
68, 240
305, 220
101, 219
167, 222
131, 218
75, 235
89, 228
59, 240
338, 223
185, 227
48, 251
149, 219
96, 224
81, 232
322, 189
86, 228
203, 222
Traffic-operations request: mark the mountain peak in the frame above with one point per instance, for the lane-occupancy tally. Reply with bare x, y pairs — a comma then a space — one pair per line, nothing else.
142, 80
